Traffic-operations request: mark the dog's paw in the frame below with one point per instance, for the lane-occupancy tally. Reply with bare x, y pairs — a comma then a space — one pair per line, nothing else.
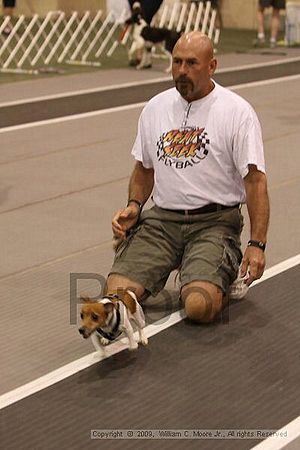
133, 346
143, 340
104, 341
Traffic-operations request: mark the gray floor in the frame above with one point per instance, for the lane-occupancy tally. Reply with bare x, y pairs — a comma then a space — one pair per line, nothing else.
69, 104
241, 373
60, 184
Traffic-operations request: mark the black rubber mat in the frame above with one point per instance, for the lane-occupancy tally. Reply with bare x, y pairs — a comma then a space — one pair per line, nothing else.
83, 103
241, 373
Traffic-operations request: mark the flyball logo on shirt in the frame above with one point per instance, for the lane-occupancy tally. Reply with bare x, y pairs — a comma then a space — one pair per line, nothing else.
183, 147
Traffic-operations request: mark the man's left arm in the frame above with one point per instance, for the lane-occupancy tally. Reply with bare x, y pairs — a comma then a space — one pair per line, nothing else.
259, 210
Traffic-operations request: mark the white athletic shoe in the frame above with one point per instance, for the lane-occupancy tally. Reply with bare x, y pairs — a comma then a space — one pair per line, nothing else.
238, 289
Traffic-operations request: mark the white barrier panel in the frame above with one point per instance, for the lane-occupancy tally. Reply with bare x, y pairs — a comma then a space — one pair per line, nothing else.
292, 23
35, 42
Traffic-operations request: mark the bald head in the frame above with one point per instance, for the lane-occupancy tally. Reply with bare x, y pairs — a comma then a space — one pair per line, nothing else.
193, 65
197, 42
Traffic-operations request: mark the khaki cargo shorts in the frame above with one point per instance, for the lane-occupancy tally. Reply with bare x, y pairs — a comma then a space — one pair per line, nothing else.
203, 247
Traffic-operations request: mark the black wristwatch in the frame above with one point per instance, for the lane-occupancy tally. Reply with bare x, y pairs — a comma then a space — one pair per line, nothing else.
137, 202
258, 244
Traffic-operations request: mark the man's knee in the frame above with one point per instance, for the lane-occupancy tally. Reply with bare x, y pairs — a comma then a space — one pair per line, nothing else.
116, 282
202, 301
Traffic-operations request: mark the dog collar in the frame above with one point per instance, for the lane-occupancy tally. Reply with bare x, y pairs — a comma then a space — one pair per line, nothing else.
115, 332
111, 297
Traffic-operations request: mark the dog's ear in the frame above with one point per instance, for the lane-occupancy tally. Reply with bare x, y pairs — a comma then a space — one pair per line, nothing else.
85, 299
108, 307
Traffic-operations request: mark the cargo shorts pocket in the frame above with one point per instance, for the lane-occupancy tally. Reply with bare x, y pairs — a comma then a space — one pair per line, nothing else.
232, 257
126, 242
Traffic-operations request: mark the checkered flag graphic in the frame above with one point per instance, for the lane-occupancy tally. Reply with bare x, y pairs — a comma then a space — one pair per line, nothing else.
160, 145
204, 142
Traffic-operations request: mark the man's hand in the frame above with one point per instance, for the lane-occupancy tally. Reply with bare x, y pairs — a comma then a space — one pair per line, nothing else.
253, 264
125, 219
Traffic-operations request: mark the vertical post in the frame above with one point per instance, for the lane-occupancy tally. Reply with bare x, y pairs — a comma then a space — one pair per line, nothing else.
12, 34
21, 40
35, 39
198, 16
93, 24
98, 35
106, 40
181, 17
206, 16
212, 23
61, 37
190, 17
44, 45
173, 16
5, 23
77, 31
217, 36
163, 17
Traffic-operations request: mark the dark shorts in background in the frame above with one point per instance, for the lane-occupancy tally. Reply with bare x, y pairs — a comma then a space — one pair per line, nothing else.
9, 3
205, 247
277, 4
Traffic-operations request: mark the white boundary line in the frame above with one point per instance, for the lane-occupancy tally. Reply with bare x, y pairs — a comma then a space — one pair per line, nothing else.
76, 366
84, 91
72, 117
133, 106
236, 87
292, 430
138, 83
279, 268
258, 65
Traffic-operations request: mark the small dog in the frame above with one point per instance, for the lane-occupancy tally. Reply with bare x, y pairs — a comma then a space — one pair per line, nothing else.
104, 321
144, 36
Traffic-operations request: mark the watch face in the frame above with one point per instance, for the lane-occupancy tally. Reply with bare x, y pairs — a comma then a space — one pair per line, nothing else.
258, 244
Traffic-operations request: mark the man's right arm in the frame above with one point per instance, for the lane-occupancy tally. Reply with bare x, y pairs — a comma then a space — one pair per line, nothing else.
141, 183
140, 188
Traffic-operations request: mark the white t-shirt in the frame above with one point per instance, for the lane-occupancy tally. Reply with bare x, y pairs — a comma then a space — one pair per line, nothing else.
199, 151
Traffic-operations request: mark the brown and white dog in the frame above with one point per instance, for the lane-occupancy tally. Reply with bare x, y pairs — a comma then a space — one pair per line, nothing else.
105, 320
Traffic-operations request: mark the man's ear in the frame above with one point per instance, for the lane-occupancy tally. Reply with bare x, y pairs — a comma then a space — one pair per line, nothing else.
212, 66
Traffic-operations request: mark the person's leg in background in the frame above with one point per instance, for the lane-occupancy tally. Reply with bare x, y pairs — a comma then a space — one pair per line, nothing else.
275, 21
260, 24
8, 7
275, 24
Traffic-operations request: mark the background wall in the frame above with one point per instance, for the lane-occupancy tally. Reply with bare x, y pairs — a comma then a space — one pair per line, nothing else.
235, 13
41, 7
239, 13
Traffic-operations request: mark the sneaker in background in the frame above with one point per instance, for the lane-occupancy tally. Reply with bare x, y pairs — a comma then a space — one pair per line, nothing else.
259, 41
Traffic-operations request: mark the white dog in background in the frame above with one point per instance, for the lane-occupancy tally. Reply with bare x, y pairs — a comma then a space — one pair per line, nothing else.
144, 37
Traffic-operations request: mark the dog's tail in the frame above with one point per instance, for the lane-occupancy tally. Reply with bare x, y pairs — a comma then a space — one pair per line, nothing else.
171, 40
116, 243
140, 312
